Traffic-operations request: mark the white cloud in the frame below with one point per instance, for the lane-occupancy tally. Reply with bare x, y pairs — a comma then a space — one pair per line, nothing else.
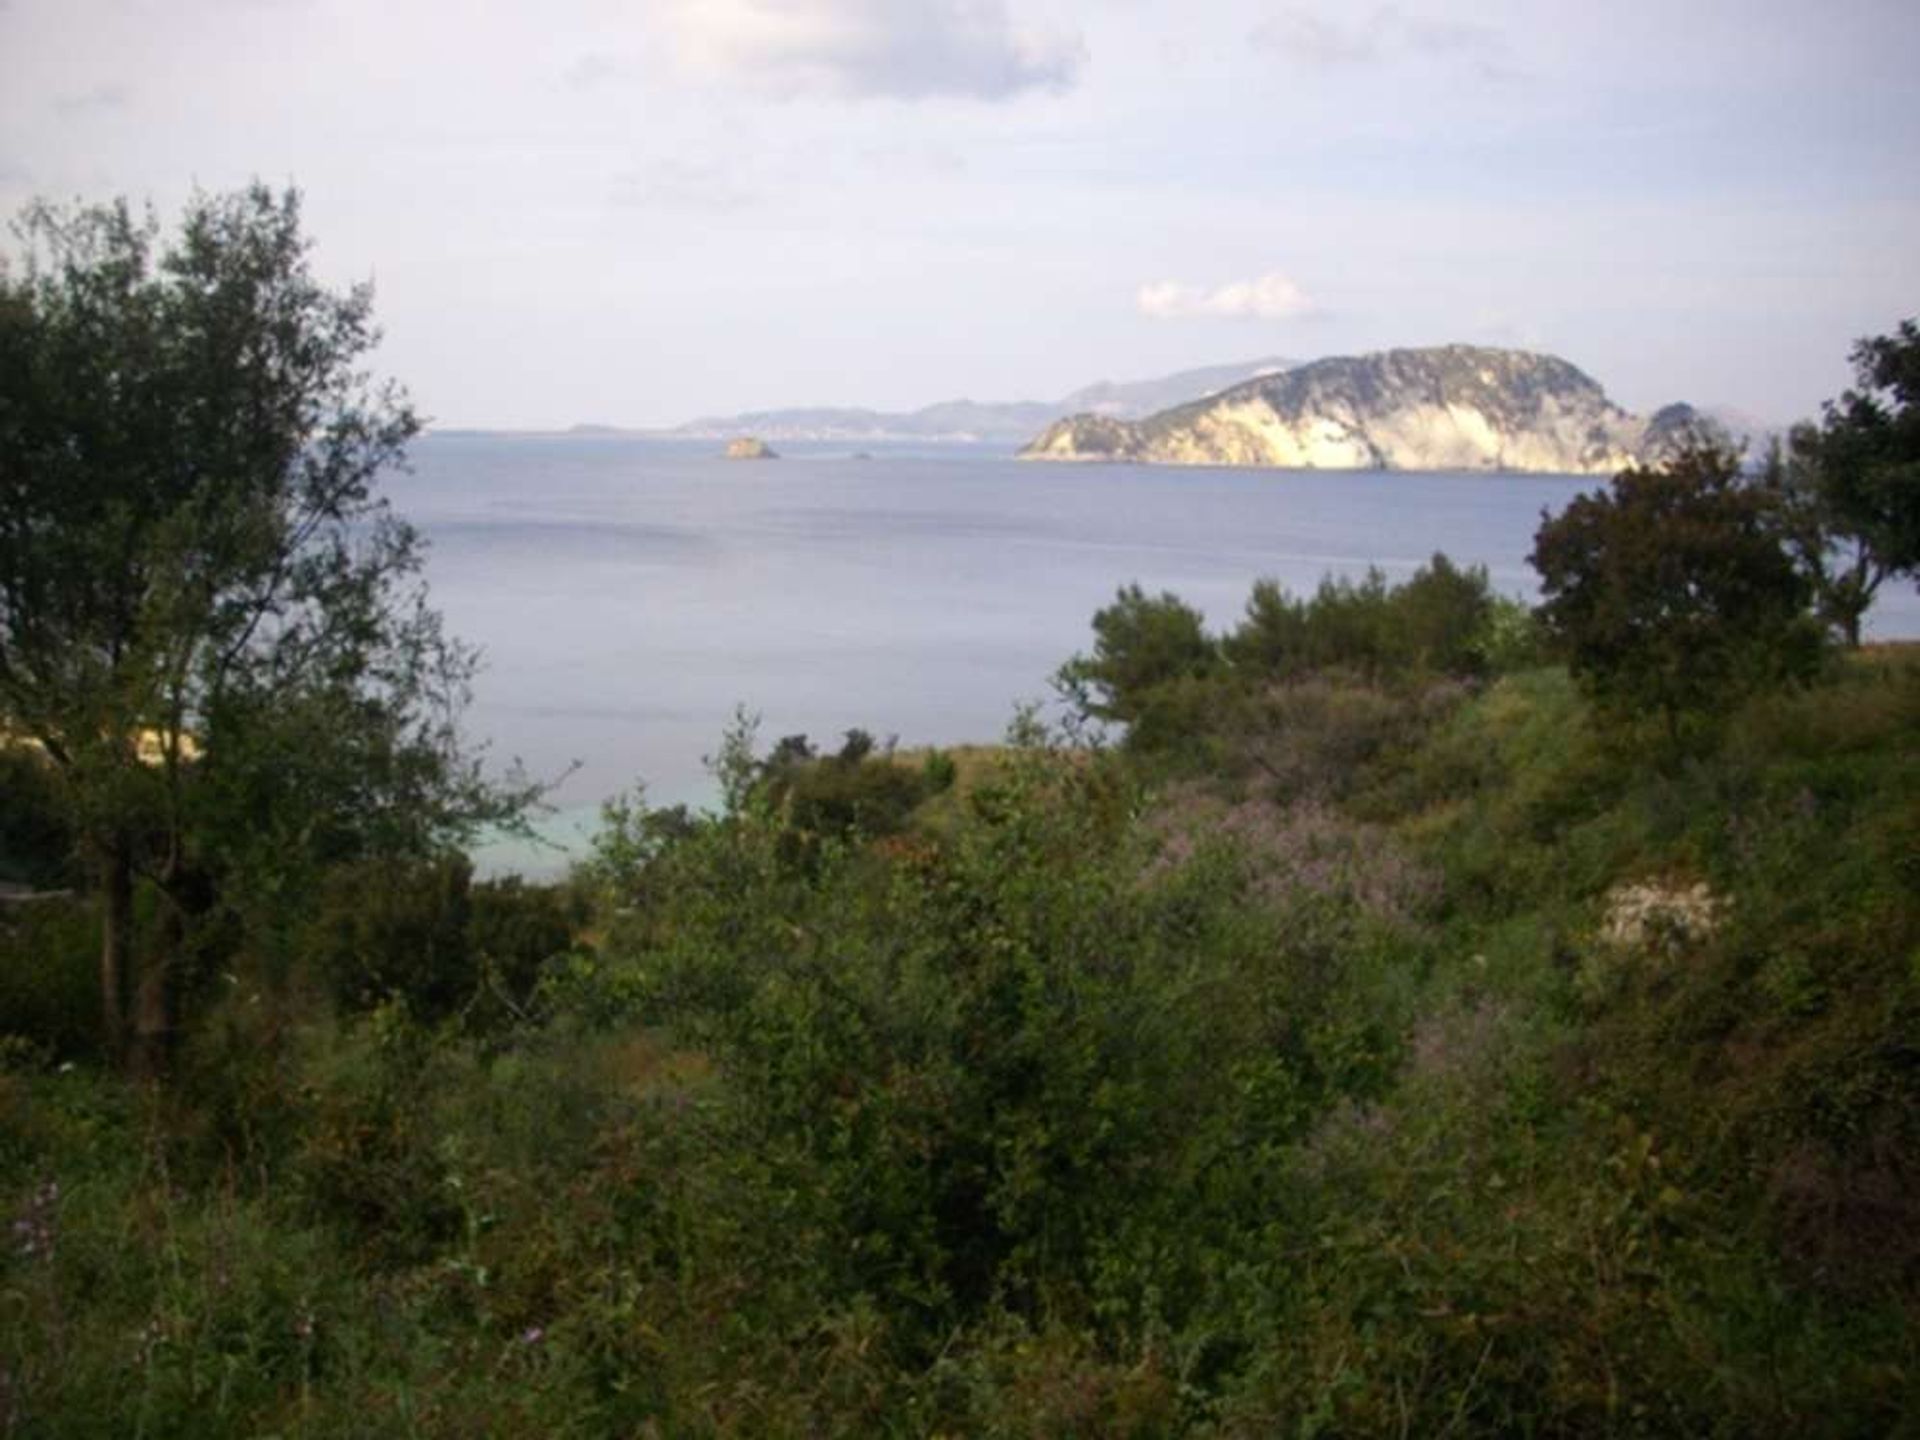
903, 49
597, 69
1306, 37
1266, 297
681, 185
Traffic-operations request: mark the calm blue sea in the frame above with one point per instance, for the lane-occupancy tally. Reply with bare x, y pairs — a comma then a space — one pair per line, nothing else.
629, 594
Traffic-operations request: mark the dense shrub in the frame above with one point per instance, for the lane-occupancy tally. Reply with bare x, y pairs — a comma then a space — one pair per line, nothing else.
388, 931
994, 1070
36, 840
1435, 623
50, 976
1200, 704
859, 790
427, 935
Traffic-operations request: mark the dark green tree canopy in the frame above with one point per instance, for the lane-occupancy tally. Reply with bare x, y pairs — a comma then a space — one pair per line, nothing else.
209, 618
1870, 448
1141, 644
187, 451
1434, 622
1673, 591
1852, 482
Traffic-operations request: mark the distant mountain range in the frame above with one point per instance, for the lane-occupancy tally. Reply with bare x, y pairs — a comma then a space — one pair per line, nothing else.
1011, 423
1453, 407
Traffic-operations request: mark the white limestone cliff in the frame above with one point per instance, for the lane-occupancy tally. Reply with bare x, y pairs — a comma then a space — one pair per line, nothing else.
1456, 407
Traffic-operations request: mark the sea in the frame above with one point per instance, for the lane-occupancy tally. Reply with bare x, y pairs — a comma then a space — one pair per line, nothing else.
632, 597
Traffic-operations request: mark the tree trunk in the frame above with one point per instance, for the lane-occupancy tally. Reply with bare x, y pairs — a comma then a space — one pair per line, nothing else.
1854, 594
116, 934
153, 1009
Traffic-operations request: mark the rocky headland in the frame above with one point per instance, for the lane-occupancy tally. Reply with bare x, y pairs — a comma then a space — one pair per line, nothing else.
1453, 407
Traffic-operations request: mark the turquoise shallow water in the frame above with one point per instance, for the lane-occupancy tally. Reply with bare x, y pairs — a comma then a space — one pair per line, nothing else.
629, 594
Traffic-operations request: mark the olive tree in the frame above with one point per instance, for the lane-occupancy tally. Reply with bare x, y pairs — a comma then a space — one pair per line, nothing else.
1852, 482
210, 622
1673, 592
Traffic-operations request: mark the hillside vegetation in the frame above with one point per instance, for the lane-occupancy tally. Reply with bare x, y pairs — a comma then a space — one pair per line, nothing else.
1395, 1051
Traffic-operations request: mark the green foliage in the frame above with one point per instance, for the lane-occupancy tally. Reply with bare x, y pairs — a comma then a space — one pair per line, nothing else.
1436, 623
857, 791
1509, 639
1201, 704
517, 935
36, 836
941, 772
1442, 613
49, 984
1877, 494
1673, 593
1320, 738
209, 620
1095, 1110
1852, 483
982, 1075
424, 935
384, 932
1150, 655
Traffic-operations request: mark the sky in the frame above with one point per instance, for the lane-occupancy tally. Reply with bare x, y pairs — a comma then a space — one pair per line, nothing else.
634, 214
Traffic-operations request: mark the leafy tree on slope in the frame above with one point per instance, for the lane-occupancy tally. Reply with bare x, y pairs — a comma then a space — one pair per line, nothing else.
209, 621
1674, 592
1853, 481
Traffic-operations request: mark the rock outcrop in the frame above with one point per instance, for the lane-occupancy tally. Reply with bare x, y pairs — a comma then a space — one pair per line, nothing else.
750, 447
1455, 407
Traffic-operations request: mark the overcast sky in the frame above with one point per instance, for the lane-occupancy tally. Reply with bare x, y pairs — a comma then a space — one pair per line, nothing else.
636, 213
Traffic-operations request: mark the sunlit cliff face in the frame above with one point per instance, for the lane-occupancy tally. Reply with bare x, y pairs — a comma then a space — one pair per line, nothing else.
1457, 408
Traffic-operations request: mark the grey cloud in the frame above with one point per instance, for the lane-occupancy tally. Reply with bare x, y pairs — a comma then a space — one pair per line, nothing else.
100, 98
1389, 33
899, 49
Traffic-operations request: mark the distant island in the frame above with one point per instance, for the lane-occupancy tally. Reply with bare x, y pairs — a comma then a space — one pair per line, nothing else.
961, 421
750, 447
1453, 407
1448, 407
